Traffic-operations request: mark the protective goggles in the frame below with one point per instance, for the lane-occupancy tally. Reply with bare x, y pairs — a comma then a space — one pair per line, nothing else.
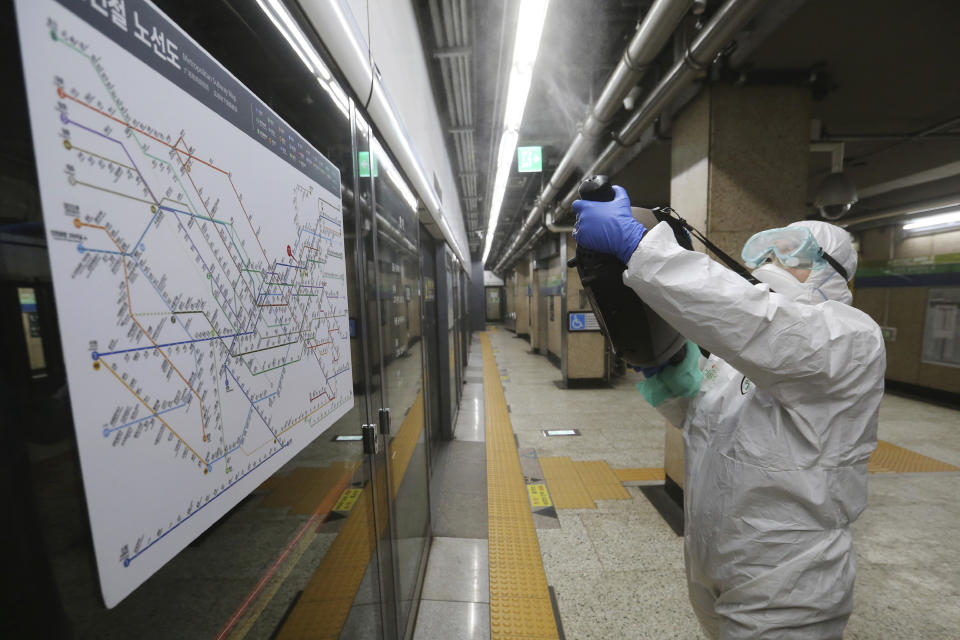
792, 246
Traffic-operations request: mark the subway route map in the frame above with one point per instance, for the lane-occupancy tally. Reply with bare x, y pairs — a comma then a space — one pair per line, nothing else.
196, 249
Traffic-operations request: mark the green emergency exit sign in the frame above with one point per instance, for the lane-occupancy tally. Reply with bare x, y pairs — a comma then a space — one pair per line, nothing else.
529, 159
363, 160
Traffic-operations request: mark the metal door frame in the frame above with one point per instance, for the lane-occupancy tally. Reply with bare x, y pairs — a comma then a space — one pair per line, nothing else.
375, 450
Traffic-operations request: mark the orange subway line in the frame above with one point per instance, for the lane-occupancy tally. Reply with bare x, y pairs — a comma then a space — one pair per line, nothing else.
307, 415
165, 423
219, 235
126, 281
77, 222
64, 94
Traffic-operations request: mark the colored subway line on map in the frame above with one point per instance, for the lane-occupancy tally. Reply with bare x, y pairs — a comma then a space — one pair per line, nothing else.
108, 430
129, 559
97, 355
242, 310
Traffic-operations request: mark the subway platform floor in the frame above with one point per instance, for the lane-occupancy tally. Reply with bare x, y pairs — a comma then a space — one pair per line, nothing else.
613, 568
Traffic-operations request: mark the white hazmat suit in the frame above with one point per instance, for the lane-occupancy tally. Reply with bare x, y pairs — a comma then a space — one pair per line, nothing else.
777, 438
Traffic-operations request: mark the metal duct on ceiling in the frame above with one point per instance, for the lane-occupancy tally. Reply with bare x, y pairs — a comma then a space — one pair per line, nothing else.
721, 28
451, 31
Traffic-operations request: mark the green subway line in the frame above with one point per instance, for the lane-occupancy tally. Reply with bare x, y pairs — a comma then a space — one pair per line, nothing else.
285, 344
72, 147
234, 236
279, 366
116, 193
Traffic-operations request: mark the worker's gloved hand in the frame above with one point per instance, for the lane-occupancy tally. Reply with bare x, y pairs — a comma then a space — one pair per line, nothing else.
608, 227
649, 372
681, 380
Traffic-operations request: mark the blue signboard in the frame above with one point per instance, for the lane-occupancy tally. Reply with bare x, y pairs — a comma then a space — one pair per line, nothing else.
582, 321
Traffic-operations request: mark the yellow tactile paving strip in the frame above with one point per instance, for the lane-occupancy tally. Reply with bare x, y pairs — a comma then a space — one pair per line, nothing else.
325, 604
520, 604
889, 458
600, 480
640, 475
566, 485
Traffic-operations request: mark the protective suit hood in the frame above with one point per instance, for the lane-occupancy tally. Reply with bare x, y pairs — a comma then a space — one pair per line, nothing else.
823, 284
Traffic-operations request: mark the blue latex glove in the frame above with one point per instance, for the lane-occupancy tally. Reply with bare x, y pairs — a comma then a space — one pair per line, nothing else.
649, 372
608, 227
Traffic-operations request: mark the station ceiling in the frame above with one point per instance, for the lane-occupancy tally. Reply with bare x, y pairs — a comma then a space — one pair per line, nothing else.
883, 69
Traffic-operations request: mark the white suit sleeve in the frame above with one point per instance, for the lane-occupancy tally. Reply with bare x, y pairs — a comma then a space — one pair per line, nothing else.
791, 349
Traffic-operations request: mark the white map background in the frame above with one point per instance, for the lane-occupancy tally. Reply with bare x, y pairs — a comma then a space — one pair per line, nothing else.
199, 281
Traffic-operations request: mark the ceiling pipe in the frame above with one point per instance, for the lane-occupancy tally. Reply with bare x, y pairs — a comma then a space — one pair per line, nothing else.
337, 28
651, 36
551, 224
882, 217
721, 28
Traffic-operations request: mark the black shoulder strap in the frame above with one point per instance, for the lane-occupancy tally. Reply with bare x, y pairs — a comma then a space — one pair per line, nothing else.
665, 213
833, 263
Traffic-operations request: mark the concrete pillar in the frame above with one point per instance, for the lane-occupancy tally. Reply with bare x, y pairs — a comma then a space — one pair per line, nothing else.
524, 296
739, 161
738, 165
584, 360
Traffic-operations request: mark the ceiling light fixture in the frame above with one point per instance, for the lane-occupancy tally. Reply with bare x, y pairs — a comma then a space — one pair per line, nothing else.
525, 46
298, 41
939, 222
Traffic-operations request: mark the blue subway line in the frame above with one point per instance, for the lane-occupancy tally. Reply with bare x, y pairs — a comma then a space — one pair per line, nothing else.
108, 430
252, 407
221, 457
97, 354
330, 220
163, 299
127, 562
265, 397
83, 249
250, 400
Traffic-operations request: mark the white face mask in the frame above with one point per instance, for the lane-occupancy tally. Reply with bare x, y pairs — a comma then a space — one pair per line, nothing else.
784, 283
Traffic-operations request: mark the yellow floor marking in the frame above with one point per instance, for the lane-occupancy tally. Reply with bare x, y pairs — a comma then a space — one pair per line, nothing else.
347, 499
889, 458
520, 604
565, 484
640, 475
600, 480
539, 496
323, 608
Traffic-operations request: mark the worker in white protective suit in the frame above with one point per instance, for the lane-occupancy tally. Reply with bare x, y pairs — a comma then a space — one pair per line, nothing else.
782, 423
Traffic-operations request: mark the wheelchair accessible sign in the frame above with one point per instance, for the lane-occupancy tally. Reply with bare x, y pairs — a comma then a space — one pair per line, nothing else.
582, 321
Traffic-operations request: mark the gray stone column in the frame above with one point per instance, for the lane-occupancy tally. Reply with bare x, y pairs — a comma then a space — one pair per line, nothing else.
738, 165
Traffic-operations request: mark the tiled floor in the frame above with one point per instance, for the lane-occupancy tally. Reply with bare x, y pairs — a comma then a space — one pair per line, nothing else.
456, 588
617, 570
